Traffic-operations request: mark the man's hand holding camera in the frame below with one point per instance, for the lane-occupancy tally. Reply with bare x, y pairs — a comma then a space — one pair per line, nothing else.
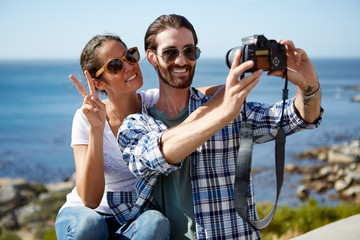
236, 91
300, 70
302, 74
282, 59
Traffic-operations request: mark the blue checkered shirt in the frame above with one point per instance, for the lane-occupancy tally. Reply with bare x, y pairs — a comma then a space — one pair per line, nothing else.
212, 166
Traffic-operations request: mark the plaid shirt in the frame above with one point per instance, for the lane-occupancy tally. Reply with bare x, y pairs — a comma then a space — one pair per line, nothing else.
212, 166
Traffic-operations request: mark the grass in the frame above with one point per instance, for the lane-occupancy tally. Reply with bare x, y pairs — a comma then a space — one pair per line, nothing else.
290, 222
8, 235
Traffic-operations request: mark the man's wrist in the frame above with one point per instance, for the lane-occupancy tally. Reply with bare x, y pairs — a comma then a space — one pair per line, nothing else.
311, 88
313, 94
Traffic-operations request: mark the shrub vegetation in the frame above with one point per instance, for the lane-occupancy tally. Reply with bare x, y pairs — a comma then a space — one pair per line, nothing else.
290, 222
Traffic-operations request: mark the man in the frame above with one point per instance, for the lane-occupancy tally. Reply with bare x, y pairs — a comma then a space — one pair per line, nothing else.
194, 162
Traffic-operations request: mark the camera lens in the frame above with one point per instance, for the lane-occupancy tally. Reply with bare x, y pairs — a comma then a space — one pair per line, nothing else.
231, 55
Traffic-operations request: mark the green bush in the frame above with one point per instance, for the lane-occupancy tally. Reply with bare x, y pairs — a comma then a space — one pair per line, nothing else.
8, 235
50, 235
49, 207
39, 188
305, 218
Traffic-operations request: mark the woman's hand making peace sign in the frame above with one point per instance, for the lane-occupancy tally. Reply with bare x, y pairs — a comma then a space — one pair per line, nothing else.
93, 109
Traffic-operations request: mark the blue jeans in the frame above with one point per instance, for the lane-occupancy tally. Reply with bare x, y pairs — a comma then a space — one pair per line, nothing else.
84, 223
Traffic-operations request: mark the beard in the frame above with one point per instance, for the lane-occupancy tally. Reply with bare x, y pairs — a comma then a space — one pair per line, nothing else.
176, 82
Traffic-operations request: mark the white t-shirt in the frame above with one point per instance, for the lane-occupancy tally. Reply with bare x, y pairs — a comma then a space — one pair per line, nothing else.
117, 174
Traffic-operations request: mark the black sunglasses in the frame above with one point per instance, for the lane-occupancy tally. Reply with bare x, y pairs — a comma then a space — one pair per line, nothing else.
115, 65
192, 53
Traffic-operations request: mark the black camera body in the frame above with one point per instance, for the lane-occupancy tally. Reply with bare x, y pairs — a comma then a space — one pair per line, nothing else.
266, 54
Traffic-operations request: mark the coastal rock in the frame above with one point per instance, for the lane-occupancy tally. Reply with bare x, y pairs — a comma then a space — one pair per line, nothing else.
331, 178
340, 172
9, 221
354, 176
13, 194
353, 88
346, 153
22, 214
351, 191
356, 98
322, 186
61, 186
337, 154
313, 153
325, 171
323, 156
342, 184
302, 192
26, 205
291, 168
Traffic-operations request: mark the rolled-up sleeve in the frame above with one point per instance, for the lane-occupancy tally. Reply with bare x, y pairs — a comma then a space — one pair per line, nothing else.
266, 119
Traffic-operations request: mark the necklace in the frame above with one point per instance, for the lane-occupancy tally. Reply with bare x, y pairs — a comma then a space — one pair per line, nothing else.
138, 110
116, 116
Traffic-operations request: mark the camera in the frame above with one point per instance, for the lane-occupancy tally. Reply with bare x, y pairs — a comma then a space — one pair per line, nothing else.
266, 54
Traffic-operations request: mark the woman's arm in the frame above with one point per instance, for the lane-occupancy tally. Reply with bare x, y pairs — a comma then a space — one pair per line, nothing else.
89, 160
90, 180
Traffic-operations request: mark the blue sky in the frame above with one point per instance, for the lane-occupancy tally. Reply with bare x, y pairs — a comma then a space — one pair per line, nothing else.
60, 29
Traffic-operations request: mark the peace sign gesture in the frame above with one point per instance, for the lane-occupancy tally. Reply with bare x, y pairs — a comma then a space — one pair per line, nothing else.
93, 109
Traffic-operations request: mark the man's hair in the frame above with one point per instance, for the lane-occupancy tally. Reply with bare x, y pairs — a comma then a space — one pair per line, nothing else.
162, 23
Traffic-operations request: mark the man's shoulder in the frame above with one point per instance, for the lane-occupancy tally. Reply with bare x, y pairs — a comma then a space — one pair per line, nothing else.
197, 98
136, 118
142, 120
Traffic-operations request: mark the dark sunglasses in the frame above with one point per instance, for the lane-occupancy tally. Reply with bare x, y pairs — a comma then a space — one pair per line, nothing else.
192, 53
115, 65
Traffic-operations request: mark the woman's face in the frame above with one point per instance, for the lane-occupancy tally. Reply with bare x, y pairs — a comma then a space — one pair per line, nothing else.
128, 80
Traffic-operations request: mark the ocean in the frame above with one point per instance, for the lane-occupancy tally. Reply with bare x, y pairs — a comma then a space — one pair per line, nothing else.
39, 101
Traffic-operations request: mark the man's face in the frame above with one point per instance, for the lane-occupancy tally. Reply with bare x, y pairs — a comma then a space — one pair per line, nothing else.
179, 72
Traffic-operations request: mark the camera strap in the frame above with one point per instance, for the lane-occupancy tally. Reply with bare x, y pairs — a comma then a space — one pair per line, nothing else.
243, 168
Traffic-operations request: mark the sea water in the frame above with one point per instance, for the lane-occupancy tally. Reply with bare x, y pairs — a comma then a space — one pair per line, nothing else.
39, 101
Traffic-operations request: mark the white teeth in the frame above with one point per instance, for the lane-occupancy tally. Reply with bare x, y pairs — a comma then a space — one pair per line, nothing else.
131, 78
179, 70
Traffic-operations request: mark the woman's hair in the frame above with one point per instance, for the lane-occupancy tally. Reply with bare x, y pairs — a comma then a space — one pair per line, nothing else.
163, 22
89, 59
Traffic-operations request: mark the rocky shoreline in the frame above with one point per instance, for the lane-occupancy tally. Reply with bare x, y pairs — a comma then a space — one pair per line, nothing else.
336, 167
29, 210
356, 98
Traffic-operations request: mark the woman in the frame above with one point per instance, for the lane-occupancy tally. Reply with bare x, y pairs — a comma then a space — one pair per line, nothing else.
113, 69
99, 164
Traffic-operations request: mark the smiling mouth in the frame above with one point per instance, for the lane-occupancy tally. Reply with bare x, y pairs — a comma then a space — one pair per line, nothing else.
179, 70
131, 78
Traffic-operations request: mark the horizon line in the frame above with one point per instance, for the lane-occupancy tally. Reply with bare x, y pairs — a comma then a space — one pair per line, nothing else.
208, 58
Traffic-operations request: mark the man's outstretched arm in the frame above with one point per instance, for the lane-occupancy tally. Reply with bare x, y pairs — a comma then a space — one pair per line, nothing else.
180, 141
